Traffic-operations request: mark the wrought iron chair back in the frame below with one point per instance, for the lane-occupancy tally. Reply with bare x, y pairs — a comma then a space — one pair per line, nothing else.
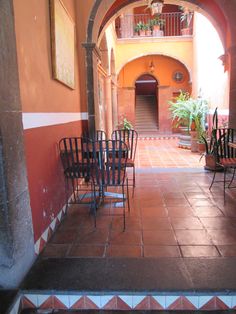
109, 159
225, 155
74, 157
109, 170
130, 137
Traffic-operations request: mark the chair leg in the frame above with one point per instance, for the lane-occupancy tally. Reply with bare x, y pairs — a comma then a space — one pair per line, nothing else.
225, 170
133, 181
94, 205
127, 188
123, 193
66, 193
232, 179
213, 180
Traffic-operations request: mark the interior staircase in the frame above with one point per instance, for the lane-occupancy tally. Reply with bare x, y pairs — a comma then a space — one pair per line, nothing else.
146, 116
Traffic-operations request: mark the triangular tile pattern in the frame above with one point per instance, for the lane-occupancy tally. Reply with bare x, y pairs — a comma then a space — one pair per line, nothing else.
48, 304
46, 235
29, 303
122, 305
128, 302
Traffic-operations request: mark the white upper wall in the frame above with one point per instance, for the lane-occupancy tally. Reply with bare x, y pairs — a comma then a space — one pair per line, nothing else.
209, 77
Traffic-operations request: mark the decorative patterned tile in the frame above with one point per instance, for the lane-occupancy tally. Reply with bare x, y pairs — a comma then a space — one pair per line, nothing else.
111, 304
73, 299
144, 304
79, 304
58, 304
63, 299
48, 304
106, 299
42, 298
194, 300
44, 236
89, 304
137, 299
160, 299
227, 299
33, 298
154, 305
170, 299
96, 299
204, 300
123, 305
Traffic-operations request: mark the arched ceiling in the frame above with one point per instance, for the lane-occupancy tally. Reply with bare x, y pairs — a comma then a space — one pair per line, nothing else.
209, 8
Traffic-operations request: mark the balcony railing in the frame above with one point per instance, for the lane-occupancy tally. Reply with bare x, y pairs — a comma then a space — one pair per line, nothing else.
173, 26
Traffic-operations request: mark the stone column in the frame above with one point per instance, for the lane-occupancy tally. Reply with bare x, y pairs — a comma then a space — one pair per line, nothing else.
16, 231
114, 105
108, 105
92, 58
232, 92
127, 24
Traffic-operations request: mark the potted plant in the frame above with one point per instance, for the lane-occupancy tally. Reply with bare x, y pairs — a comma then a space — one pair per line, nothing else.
124, 124
181, 118
140, 28
157, 23
199, 110
192, 112
186, 19
148, 29
210, 141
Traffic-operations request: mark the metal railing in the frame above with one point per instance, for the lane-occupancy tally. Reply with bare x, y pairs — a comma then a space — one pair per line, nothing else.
172, 26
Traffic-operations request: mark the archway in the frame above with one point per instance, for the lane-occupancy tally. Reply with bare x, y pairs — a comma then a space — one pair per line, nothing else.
101, 15
146, 104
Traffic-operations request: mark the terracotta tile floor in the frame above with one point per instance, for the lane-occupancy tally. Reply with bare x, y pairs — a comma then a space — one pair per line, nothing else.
172, 214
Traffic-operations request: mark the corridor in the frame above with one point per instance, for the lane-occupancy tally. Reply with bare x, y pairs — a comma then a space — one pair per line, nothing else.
178, 251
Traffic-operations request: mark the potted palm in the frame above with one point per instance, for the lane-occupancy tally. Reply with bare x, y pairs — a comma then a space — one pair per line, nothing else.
210, 142
192, 113
186, 19
181, 115
140, 28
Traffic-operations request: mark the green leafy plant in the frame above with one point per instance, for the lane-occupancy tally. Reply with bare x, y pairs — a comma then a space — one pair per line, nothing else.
186, 16
157, 21
140, 26
187, 110
125, 124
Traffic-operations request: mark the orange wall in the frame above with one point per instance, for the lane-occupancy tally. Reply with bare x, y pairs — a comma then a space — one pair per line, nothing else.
164, 69
40, 93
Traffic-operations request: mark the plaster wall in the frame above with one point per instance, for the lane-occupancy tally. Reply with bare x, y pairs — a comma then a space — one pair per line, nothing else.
128, 50
41, 94
163, 73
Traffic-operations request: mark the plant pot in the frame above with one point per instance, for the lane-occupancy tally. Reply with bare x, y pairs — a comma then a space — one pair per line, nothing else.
185, 31
201, 148
148, 33
156, 27
211, 163
194, 141
142, 33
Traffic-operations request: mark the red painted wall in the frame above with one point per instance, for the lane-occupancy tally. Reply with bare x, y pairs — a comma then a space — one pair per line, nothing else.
40, 93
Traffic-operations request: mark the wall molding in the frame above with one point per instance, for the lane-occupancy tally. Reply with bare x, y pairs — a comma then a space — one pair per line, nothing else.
33, 120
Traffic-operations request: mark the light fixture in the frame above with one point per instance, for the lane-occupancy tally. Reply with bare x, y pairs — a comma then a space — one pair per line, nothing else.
155, 6
151, 67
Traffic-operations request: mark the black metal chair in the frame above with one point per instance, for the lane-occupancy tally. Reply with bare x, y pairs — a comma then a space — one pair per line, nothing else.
225, 155
109, 160
99, 135
130, 137
77, 166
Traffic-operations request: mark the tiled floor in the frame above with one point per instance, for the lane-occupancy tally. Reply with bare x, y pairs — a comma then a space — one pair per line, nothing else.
172, 214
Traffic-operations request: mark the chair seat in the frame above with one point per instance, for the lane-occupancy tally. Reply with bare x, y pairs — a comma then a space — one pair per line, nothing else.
110, 178
129, 162
228, 162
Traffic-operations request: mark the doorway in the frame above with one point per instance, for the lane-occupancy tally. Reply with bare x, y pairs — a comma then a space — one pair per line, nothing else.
146, 105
